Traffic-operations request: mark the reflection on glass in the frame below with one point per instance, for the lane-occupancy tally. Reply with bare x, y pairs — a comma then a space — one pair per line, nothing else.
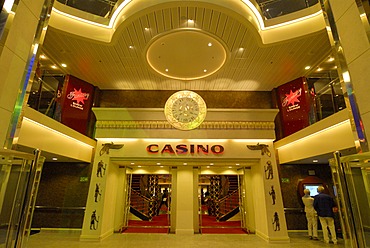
44, 94
364, 8
329, 98
101, 8
353, 178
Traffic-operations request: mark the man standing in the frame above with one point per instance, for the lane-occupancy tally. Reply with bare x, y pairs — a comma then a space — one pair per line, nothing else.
311, 214
324, 205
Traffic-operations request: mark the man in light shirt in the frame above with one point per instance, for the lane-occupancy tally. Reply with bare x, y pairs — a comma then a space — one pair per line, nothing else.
311, 214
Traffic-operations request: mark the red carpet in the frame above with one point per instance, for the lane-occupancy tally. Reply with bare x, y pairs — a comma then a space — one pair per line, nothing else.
160, 220
228, 230
159, 224
208, 221
211, 226
145, 230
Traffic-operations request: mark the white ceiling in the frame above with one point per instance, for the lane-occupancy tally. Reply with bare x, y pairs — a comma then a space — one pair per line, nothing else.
122, 64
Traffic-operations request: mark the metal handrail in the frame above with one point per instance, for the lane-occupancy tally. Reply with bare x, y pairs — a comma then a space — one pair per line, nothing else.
301, 210
227, 204
143, 204
16, 154
227, 196
59, 208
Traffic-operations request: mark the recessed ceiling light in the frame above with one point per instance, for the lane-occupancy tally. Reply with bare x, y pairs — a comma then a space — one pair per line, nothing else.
132, 163
205, 70
307, 67
241, 49
230, 167
237, 164
208, 166
146, 29
131, 47
158, 163
191, 20
209, 44
54, 66
185, 164
63, 65
161, 166
319, 69
55, 159
42, 56
211, 164
315, 161
166, 69
139, 166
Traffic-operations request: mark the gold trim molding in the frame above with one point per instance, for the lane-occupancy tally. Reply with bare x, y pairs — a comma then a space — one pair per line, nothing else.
240, 125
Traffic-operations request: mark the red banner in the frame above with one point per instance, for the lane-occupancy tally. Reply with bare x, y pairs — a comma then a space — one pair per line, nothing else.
296, 106
77, 100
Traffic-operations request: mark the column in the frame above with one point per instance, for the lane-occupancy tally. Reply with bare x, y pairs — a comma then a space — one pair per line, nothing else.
349, 33
270, 223
105, 201
185, 200
18, 49
17, 46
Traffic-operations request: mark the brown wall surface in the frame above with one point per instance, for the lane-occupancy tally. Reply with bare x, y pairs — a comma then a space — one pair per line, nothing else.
62, 195
157, 99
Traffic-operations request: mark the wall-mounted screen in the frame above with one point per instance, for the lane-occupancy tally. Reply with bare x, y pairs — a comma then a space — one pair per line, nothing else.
312, 188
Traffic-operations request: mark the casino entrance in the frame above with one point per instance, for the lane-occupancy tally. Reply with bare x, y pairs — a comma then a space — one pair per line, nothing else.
148, 204
129, 138
154, 194
222, 200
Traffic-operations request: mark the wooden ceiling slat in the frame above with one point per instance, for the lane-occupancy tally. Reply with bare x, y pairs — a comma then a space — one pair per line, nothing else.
192, 14
221, 27
175, 18
207, 16
152, 23
167, 19
200, 17
215, 18
160, 21
140, 34
183, 12
144, 23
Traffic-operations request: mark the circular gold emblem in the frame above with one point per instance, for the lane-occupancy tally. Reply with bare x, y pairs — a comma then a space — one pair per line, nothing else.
185, 110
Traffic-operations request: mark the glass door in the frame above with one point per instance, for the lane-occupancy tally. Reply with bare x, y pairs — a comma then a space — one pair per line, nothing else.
19, 179
351, 176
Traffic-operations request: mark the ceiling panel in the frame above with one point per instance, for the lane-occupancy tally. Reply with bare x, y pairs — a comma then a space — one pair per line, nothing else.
119, 66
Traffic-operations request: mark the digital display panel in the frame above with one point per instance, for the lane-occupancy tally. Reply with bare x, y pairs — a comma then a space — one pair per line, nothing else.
312, 188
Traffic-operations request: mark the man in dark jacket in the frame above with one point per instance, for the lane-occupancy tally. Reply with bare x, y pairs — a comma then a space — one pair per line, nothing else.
324, 205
